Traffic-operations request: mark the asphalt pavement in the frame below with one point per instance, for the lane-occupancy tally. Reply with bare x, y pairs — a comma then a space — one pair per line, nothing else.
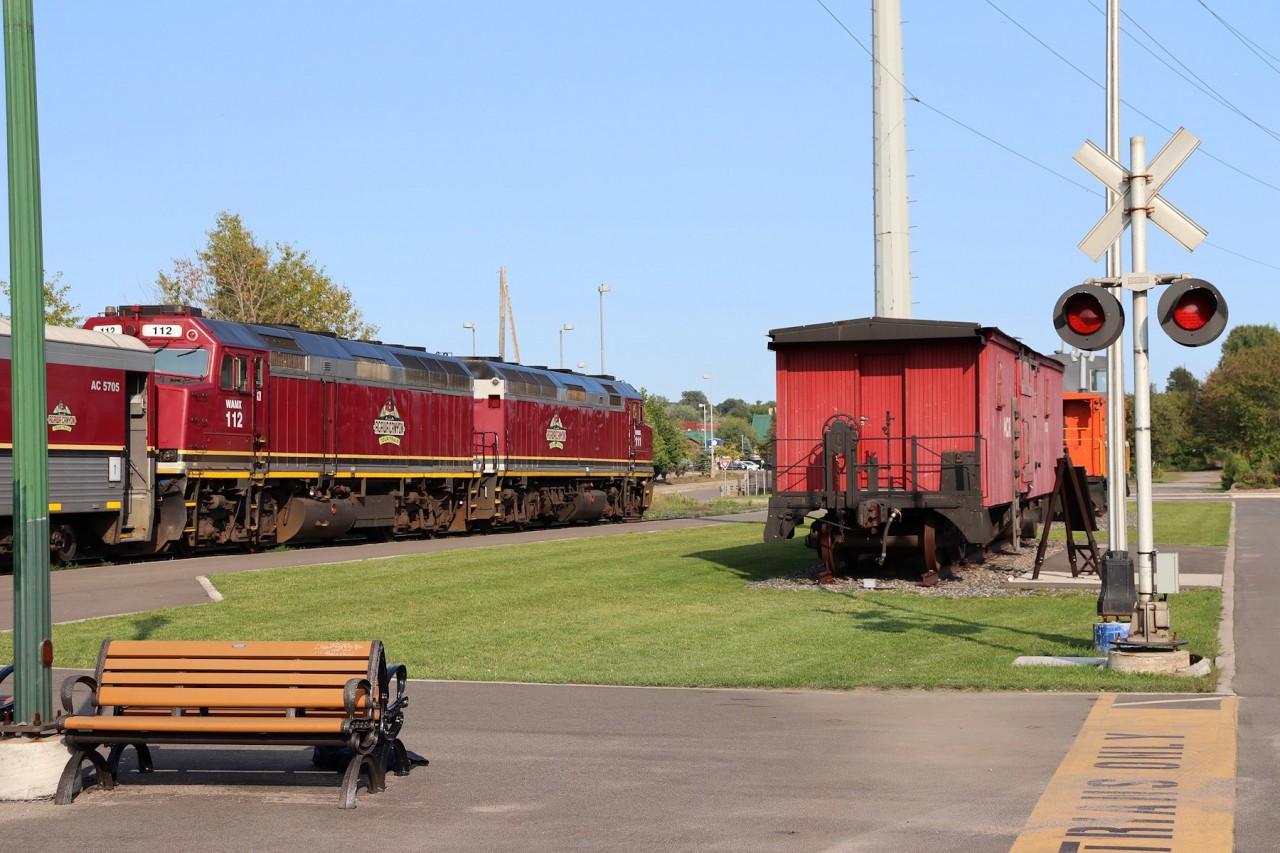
554, 768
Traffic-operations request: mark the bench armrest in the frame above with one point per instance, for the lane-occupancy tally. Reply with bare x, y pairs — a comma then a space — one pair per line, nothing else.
400, 675
68, 691
351, 694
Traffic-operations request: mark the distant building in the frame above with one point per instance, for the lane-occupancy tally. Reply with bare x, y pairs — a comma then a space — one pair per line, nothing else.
1085, 371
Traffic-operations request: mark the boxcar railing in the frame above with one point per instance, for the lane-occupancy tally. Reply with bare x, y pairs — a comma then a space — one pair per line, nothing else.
880, 465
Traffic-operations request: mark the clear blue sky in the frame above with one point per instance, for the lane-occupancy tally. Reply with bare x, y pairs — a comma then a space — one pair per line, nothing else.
710, 161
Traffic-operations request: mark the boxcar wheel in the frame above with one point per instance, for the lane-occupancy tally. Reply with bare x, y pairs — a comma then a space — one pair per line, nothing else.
929, 545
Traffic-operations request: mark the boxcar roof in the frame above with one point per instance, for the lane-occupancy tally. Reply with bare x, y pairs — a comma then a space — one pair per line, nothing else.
65, 345
876, 329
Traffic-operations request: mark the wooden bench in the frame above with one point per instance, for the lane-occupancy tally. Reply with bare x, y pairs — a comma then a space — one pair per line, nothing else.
6, 699
338, 696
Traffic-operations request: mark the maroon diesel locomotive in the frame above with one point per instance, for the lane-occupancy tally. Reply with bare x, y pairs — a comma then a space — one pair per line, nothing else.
921, 435
220, 433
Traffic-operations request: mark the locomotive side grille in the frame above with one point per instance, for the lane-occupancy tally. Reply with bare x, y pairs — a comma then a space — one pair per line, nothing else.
288, 361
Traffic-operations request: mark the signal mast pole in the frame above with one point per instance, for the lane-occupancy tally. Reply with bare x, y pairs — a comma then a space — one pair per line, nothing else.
1117, 527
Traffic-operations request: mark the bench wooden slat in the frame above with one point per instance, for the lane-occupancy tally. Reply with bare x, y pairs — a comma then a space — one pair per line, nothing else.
250, 679
226, 697
213, 724
117, 663
217, 649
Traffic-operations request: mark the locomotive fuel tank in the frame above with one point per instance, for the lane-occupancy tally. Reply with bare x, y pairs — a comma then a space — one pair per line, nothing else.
307, 519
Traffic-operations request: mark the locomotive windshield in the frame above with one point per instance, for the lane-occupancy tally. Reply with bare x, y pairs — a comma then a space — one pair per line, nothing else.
183, 362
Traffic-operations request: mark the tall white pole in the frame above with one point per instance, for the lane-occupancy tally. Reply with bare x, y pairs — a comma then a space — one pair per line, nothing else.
705, 442
603, 289
892, 223
1117, 525
1141, 367
711, 413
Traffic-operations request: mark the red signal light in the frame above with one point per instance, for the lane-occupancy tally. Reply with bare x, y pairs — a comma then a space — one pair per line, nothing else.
1084, 314
1088, 317
1192, 312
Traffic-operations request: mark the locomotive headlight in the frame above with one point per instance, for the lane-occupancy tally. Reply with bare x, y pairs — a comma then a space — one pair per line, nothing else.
168, 455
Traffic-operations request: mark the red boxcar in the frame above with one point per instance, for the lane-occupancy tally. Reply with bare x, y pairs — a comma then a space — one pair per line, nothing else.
914, 434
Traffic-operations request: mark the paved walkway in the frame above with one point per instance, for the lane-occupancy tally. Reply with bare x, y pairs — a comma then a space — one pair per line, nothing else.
547, 768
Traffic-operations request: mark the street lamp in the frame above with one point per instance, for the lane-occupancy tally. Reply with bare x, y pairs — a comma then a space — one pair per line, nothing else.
603, 289
472, 327
711, 410
567, 327
706, 444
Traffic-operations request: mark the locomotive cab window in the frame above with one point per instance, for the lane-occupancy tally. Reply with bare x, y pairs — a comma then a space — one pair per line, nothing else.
192, 362
234, 375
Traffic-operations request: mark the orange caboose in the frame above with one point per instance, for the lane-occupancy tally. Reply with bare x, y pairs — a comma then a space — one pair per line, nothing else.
1084, 433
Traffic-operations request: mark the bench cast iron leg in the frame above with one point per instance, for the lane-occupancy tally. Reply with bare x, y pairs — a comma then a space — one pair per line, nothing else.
71, 774
368, 762
144, 757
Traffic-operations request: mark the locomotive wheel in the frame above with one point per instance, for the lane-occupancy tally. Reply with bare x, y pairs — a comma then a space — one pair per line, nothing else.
62, 543
185, 546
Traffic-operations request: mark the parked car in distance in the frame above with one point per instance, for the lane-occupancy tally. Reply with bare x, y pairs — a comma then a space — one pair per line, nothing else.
744, 465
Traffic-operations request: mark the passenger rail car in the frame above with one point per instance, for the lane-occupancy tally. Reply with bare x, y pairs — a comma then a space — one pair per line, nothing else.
921, 435
224, 433
96, 386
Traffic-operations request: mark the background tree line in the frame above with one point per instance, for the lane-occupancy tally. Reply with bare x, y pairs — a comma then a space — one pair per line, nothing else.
675, 453
1231, 419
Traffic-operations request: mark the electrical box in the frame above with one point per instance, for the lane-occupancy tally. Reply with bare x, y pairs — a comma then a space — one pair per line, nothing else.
1166, 573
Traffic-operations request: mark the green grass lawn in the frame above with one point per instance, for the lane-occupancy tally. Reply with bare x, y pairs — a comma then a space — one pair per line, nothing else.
669, 608
1176, 523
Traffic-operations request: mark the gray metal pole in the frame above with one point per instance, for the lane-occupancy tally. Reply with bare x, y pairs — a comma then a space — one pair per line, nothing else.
889, 119
1117, 527
1141, 367
32, 639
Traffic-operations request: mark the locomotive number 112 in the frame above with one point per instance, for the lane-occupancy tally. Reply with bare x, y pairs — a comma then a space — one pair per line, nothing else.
235, 420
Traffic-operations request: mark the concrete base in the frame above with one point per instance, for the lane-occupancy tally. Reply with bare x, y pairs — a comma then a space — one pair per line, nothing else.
1156, 663
30, 767
1057, 660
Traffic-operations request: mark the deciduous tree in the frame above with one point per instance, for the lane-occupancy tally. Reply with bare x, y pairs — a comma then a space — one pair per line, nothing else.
236, 278
58, 309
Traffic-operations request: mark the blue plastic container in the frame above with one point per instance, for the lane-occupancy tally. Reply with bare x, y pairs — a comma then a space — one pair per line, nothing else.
1105, 634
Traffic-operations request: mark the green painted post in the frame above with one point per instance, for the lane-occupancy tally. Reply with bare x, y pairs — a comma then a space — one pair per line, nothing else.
32, 643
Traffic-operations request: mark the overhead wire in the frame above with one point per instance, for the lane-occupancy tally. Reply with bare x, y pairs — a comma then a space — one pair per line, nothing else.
1193, 79
916, 99
1254, 48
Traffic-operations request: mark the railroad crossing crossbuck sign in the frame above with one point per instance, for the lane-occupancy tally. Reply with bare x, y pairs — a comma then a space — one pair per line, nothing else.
1175, 223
